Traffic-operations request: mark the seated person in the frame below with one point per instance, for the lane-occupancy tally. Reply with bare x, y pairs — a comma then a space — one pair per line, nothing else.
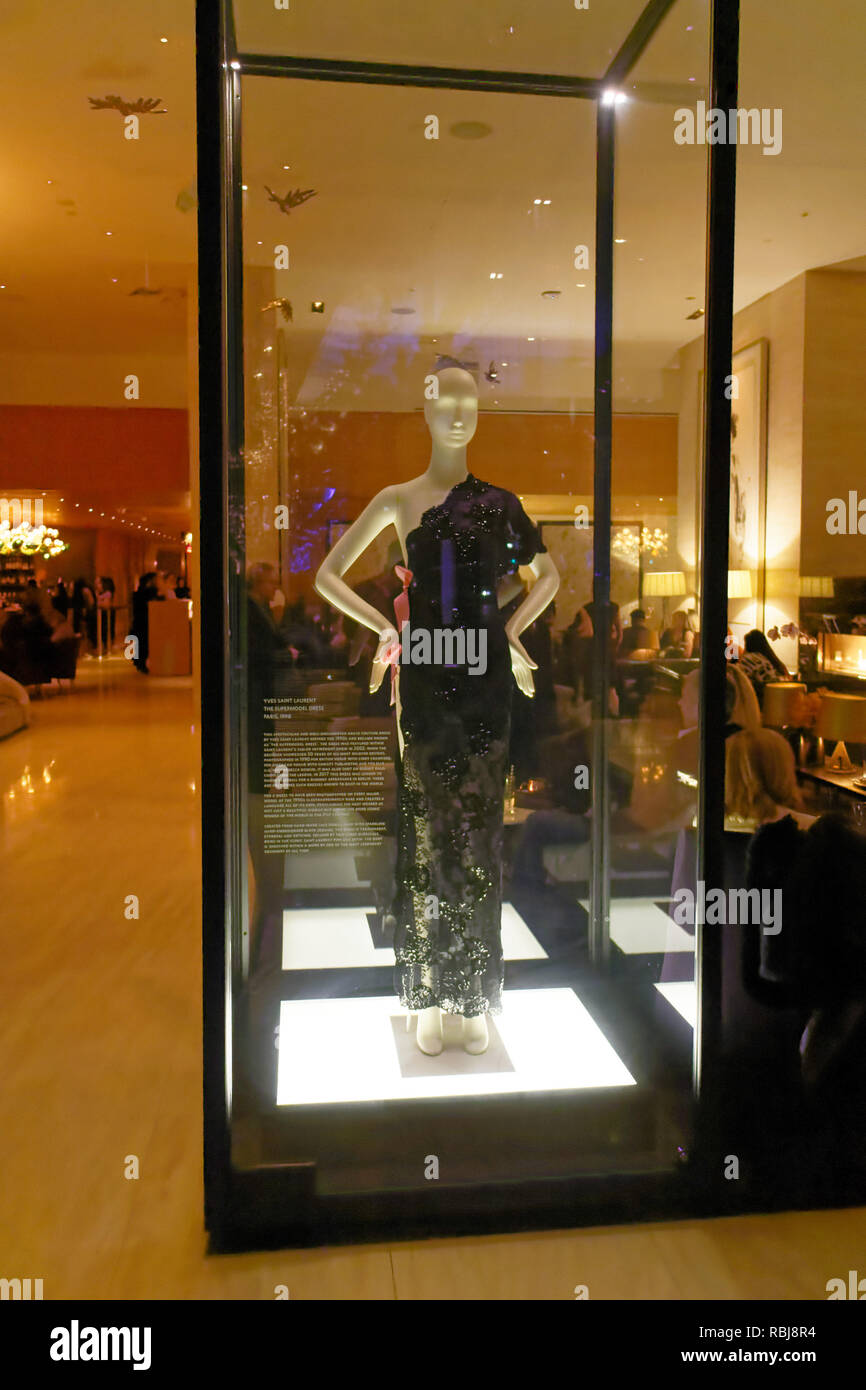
567, 823
742, 710
760, 780
760, 663
818, 964
678, 640
638, 637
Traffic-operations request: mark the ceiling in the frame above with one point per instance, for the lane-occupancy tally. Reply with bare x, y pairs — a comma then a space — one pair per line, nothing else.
400, 222
514, 35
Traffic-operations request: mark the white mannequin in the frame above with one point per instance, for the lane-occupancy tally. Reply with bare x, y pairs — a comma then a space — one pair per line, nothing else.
451, 419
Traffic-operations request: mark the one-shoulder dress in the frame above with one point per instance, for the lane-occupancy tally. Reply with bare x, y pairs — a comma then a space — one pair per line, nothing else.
451, 774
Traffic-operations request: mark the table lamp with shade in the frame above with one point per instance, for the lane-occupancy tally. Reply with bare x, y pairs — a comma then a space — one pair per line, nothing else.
779, 710
841, 719
664, 584
740, 584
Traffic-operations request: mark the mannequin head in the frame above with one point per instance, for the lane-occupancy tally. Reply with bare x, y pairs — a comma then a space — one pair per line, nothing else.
452, 419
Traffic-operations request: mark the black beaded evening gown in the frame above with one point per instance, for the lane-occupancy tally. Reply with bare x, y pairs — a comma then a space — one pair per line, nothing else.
451, 776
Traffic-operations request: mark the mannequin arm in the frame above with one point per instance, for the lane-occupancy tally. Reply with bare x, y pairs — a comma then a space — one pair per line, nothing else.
329, 580
540, 595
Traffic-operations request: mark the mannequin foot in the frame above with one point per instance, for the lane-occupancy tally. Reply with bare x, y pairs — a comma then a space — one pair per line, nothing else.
476, 1038
429, 1034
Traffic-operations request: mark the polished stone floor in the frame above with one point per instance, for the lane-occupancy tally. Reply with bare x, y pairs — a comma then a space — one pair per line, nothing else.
100, 1040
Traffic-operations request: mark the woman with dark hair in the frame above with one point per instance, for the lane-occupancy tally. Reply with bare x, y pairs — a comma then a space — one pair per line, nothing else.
760, 663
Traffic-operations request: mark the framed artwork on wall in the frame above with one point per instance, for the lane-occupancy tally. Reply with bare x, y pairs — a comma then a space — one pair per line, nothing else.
748, 499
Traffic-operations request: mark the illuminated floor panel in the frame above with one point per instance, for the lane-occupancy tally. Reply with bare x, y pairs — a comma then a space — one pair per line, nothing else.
683, 996
639, 927
338, 938
333, 1051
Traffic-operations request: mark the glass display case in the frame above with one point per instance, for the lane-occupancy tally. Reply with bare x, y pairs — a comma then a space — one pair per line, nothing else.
449, 809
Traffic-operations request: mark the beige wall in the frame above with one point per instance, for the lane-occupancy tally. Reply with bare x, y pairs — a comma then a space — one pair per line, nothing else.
778, 317
834, 417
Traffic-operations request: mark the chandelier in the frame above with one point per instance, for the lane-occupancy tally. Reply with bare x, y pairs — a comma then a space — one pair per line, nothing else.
628, 544
30, 540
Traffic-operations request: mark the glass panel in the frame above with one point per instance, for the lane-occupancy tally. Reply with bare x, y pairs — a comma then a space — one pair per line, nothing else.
797, 590
541, 36
435, 833
652, 735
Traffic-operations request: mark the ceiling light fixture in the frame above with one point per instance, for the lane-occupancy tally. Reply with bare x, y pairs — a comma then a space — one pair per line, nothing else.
611, 97
470, 130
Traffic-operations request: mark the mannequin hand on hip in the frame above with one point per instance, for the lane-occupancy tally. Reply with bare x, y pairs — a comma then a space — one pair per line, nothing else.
521, 664
389, 641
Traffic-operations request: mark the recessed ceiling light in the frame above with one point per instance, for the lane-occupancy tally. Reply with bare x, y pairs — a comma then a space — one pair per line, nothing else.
620, 240
49, 181
317, 306
536, 201
550, 294
581, 284
470, 130
109, 233
287, 166
530, 340
547, 202
244, 187
493, 274
163, 40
